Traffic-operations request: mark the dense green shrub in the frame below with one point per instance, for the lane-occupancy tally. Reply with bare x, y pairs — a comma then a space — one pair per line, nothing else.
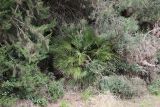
6, 13
119, 86
6, 101
22, 45
78, 47
22, 79
17, 25
154, 87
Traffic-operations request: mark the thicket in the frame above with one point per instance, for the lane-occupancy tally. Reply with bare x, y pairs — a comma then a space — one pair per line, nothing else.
117, 85
23, 44
107, 44
78, 49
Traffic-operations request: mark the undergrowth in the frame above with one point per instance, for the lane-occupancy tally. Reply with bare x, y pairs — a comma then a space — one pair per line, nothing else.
77, 50
103, 45
154, 87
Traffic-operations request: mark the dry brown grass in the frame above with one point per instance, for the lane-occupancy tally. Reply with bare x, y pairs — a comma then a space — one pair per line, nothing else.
108, 100
73, 99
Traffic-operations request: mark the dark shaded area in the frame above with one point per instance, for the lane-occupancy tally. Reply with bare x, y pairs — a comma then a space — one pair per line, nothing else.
46, 66
145, 26
69, 10
127, 12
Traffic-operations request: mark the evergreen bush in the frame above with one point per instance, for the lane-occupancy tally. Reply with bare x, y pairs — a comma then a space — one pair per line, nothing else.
23, 80
119, 86
23, 44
